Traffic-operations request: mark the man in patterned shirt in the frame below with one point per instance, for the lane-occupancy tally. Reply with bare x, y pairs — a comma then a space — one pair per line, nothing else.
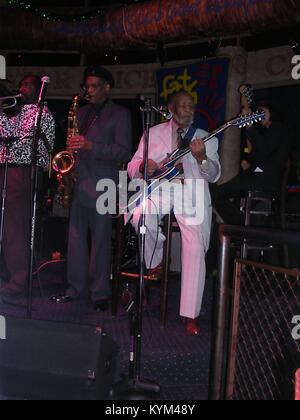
16, 135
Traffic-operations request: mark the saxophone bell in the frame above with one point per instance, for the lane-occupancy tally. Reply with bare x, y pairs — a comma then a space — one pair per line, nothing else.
63, 162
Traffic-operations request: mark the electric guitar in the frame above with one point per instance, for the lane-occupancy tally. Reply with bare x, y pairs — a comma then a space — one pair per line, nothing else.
168, 170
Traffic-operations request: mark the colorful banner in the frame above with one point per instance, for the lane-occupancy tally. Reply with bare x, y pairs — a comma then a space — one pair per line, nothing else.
206, 82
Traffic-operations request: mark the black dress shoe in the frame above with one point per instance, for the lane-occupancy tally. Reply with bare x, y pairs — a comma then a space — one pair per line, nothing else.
62, 299
12, 291
101, 305
11, 300
8, 293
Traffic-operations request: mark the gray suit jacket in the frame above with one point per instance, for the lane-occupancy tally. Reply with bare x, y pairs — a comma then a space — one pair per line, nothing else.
111, 137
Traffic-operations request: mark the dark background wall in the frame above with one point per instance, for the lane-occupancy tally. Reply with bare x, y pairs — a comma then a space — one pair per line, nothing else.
287, 98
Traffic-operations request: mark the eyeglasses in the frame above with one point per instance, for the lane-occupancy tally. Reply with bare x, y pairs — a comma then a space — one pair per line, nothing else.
92, 86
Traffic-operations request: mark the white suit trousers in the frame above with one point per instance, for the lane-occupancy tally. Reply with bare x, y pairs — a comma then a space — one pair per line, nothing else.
193, 249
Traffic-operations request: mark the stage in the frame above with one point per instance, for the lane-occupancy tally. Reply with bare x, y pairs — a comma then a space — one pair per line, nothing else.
177, 362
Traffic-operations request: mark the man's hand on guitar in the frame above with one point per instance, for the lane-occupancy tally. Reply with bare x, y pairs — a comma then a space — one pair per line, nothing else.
198, 150
152, 167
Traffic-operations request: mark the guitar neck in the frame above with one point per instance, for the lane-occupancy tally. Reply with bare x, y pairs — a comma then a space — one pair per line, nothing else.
187, 150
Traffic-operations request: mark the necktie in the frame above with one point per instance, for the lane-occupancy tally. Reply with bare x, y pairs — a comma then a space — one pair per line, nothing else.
180, 131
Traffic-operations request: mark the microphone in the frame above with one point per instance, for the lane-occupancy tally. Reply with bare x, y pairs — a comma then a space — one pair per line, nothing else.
164, 111
45, 81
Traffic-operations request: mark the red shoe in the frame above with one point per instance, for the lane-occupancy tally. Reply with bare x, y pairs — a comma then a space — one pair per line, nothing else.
156, 273
192, 327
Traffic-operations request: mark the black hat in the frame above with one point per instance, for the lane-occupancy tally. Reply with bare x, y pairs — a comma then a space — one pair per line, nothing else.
102, 73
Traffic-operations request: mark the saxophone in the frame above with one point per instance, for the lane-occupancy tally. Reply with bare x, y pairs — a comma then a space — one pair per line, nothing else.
64, 162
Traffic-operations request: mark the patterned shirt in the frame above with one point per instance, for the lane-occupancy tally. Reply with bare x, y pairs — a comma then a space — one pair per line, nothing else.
21, 129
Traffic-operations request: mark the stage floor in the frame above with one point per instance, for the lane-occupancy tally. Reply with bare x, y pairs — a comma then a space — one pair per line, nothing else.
177, 362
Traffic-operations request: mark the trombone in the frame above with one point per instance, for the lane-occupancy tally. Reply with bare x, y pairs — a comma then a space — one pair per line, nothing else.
9, 99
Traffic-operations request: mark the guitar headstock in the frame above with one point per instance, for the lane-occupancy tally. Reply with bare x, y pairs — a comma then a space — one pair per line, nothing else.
248, 119
247, 96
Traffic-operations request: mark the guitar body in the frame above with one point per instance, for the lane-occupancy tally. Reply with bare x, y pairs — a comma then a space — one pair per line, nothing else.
168, 174
168, 170
159, 178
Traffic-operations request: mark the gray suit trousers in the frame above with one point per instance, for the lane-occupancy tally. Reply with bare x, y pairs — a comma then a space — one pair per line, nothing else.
89, 261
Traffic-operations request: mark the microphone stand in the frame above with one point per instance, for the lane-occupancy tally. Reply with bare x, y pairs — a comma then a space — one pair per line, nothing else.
34, 186
139, 384
134, 385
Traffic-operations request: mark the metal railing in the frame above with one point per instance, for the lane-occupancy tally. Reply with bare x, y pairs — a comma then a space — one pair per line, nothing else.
254, 355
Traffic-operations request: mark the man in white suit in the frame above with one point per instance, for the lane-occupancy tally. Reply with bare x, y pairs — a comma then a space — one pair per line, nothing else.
200, 167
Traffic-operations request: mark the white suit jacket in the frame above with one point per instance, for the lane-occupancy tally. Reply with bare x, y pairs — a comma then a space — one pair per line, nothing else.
161, 144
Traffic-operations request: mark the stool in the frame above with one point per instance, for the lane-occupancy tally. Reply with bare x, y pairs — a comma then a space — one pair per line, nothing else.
270, 200
118, 275
276, 207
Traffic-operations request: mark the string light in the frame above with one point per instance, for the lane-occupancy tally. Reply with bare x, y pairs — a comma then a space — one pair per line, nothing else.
51, 16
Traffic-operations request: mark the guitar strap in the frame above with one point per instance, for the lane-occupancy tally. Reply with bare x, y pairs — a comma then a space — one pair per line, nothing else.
188, 137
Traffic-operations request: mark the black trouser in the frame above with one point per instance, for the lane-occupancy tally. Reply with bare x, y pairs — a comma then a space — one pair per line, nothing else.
236, 188
86, 265
14, 265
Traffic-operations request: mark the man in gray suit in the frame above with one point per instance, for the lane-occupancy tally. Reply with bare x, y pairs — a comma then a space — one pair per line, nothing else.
103, 144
